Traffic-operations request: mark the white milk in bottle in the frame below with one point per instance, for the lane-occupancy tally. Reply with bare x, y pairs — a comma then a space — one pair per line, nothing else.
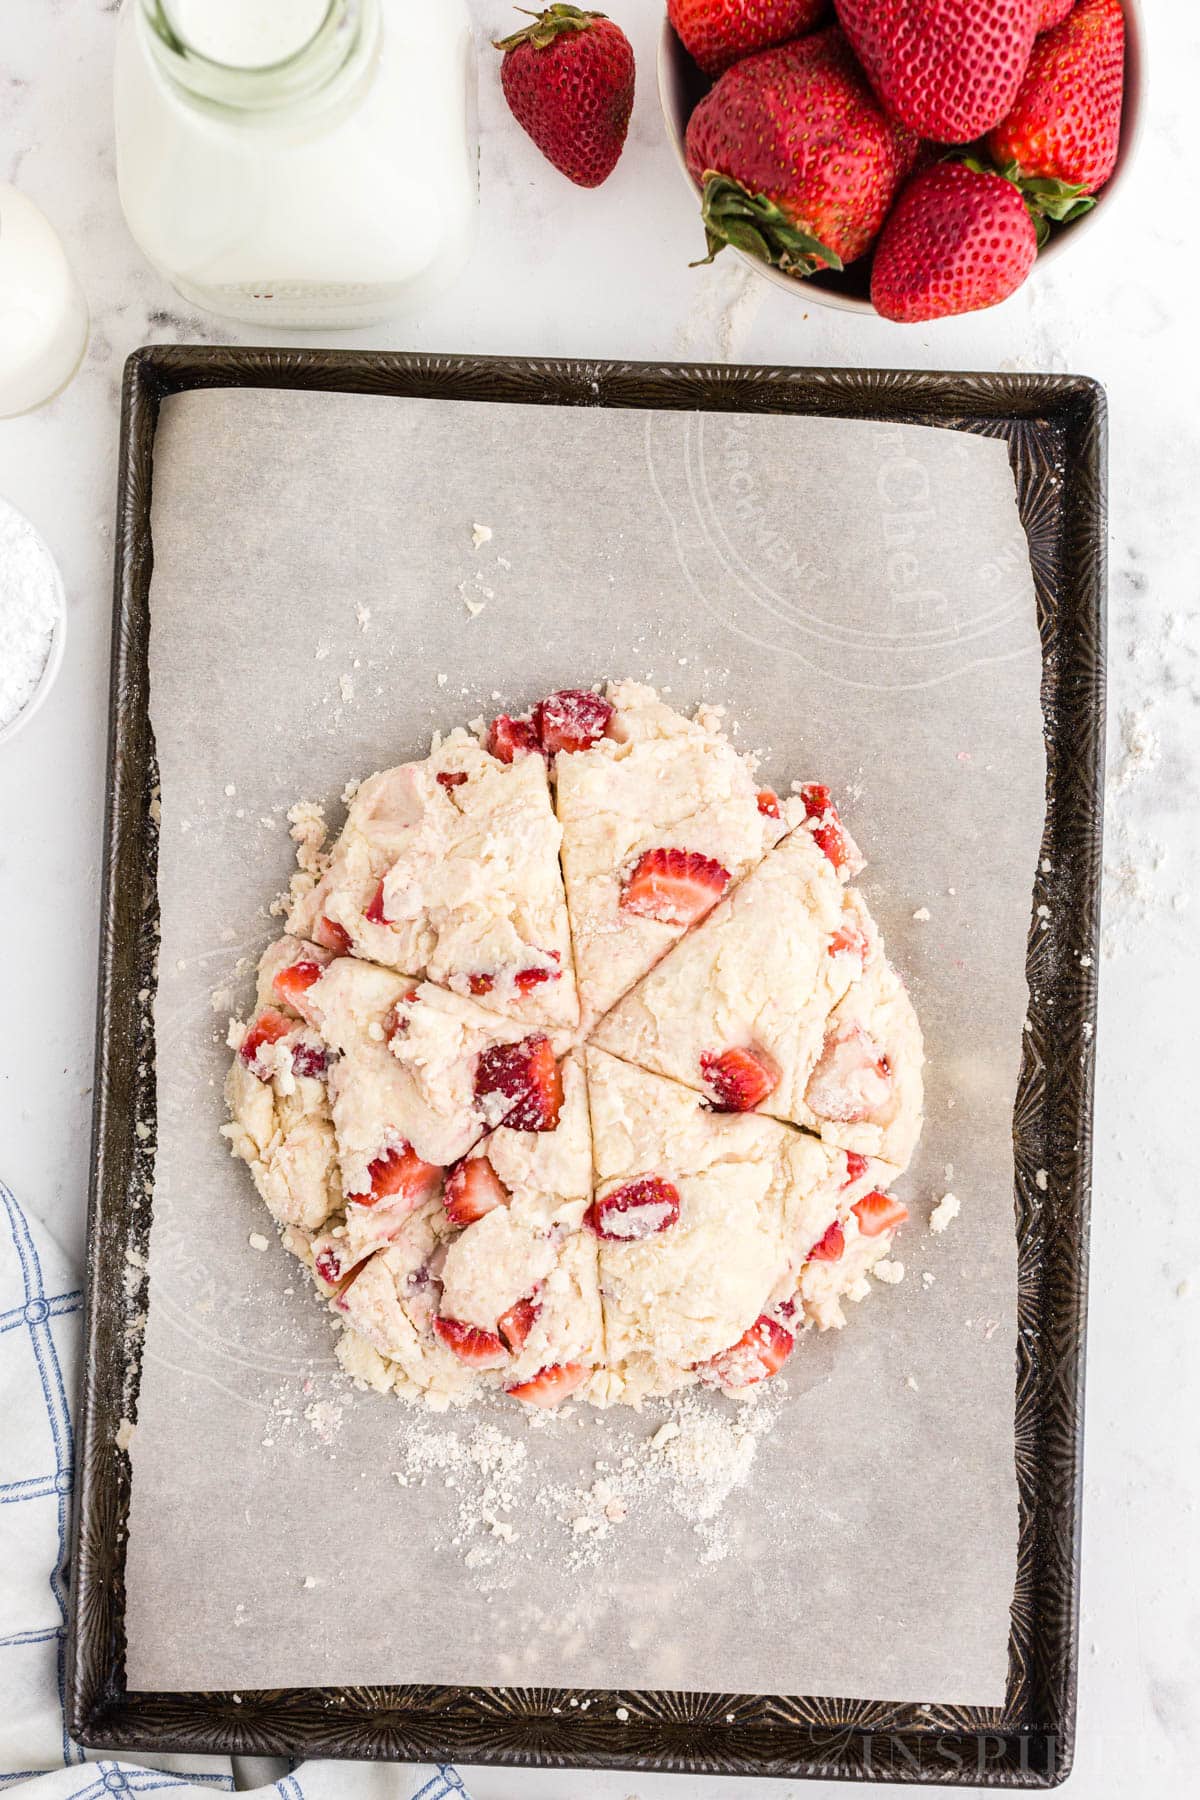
299, 162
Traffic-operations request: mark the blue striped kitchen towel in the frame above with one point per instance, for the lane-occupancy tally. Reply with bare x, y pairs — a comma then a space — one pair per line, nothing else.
40, 1305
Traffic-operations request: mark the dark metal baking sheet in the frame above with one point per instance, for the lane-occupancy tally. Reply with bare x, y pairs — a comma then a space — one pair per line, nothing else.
1055, 427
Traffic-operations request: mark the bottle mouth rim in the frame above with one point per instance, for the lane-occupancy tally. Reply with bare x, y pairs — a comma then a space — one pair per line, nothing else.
347, 28
160, 16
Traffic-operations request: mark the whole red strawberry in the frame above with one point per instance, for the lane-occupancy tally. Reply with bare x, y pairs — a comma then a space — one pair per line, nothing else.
799, 163
568, 79
950, 69
1065, 124
958, 238
1053, 13
717, 33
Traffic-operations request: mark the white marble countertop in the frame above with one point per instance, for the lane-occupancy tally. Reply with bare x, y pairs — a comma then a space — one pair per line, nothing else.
561, 272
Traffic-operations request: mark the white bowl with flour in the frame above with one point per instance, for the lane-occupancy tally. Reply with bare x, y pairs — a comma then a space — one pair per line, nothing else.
33, 621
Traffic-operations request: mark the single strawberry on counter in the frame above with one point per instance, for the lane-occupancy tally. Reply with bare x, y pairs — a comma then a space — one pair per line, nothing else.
718, 33
798, 163
959, 238
568, 79
950, 69
1061, 137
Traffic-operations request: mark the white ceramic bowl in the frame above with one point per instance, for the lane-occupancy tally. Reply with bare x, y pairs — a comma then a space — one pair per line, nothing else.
681, 84
58, 644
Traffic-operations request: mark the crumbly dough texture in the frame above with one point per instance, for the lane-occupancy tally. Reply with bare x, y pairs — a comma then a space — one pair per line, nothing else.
476, 1092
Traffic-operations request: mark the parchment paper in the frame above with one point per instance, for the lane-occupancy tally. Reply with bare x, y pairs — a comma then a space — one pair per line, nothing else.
860, 598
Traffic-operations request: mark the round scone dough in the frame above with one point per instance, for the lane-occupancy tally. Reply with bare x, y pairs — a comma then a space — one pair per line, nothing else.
580, 1069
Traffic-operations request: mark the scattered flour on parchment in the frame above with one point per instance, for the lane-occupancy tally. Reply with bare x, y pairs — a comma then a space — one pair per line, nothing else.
690, 1454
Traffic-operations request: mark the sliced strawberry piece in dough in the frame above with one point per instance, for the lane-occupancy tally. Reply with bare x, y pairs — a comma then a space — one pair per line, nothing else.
550, 1386
375, 914
451, 778
292, 984
830, 1247
856, 1168
400, 1172
471, 1344
675, 886
332, 936
760, 1352
516, 1324
848, 940
268, 1028
525, 1075
739, 1079
640, 1209
768, 803
310, 1060
509, 737
877, 1213
473, 1189
853, 1079
572, 719
525, 979
828, 830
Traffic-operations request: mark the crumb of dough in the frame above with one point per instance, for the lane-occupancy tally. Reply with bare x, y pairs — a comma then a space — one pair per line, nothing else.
480, 535
257, 1241
891, 1273
922, 915
1042, 1180
363, 615
307, 820
946, 1210
124, 1434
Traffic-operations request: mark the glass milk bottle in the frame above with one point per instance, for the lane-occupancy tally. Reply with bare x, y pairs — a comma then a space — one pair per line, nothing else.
304, 163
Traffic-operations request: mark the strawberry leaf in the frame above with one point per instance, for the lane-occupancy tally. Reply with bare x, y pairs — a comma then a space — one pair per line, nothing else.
547, 26
754, 224
1057, 200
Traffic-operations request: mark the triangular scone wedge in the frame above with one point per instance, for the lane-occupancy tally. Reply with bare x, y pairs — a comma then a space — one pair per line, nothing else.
496, 1284
415, 1076
656, 787
448, 870
760, 974
409, 1066
698, 1218
749, 1231
528, 1268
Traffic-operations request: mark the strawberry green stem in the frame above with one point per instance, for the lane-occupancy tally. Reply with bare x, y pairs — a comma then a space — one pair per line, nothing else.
1045, 198
548, 25
754, 224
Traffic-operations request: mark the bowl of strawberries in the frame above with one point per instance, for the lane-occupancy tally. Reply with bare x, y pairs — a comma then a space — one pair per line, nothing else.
911, 158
